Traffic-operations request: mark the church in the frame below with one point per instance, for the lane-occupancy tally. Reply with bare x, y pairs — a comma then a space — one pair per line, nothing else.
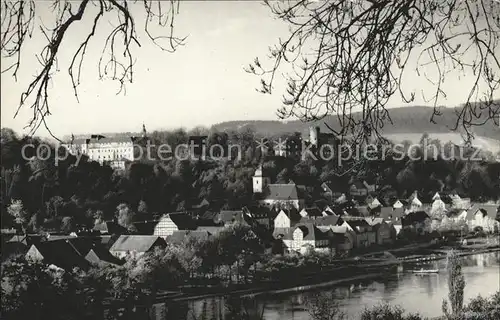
277, 195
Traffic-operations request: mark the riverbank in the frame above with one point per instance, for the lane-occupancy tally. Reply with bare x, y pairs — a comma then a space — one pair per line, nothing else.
363, 271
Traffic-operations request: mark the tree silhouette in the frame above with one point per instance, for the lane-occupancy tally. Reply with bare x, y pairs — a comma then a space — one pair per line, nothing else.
20, 23
342, 56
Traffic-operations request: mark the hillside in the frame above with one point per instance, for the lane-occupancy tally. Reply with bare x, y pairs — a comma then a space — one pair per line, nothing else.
404, 120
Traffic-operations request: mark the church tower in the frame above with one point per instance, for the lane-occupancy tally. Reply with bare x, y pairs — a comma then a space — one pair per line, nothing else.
144, 133
259, 181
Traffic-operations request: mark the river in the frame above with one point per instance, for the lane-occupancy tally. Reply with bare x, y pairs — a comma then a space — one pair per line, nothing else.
415, 293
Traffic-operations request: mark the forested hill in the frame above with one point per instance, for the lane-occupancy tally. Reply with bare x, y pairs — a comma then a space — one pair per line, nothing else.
412, 119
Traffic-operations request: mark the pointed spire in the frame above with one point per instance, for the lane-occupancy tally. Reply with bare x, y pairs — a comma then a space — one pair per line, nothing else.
144, 130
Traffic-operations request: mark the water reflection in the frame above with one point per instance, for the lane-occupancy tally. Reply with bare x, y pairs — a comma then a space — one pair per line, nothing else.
415, 293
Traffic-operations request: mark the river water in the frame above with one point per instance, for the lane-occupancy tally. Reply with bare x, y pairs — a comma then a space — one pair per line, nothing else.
414, 293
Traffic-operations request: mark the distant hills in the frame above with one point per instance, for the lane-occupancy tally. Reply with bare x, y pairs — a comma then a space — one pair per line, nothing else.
405, 120
408, 123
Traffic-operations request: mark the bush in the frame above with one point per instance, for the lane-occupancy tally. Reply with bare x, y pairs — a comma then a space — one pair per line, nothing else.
387, 312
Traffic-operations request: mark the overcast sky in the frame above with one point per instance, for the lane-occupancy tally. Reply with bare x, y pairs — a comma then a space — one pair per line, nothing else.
203, 83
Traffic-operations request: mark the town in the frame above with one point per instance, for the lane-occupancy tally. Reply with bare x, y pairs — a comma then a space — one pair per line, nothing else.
285, 217
250, 160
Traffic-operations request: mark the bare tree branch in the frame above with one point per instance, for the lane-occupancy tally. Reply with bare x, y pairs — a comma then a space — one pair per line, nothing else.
116, 61
353, 55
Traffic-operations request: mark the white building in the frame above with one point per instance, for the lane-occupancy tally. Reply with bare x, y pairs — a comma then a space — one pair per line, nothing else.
115, 151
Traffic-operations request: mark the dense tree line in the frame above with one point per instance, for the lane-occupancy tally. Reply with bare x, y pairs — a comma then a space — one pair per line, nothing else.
44, 195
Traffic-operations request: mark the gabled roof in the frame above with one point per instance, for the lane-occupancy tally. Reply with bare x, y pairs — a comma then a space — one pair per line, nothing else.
489, 210
310, 232
402, 201
283, 192
100, 255
314, 212
26, 239
62, 254
293, 214
145, 227
414, 217
332, 220
358, 223
412, 196
183, 220
136, 243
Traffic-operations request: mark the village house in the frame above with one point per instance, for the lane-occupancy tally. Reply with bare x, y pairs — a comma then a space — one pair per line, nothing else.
312, 213
457, 215
100, 256
444, 197
171, 222
419, 221
329, 221
304, 237
344, 239
263, 215
414, 203
399, 204
286, 218
70, 253
364, 236
438, 208
228, 218
283, 196
375, 203
135, 246
460, 203
484, 217
385, 233
392, 216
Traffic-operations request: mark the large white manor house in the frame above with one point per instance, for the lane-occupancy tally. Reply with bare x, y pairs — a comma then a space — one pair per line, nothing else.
115, 151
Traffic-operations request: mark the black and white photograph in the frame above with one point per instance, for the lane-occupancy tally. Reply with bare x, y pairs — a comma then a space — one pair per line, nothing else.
250, 160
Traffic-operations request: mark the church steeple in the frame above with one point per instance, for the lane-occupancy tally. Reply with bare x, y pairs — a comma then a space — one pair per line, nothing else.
144, 133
